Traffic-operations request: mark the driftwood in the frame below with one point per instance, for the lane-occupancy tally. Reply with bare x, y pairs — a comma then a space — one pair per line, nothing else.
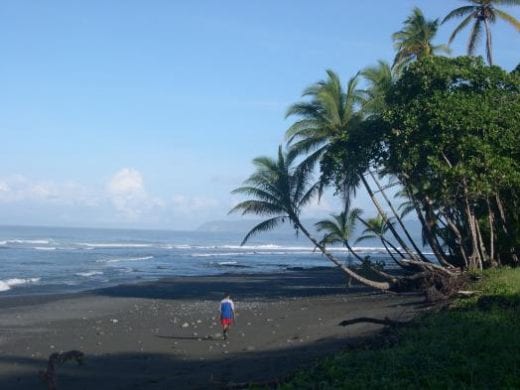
55, 361
386, 321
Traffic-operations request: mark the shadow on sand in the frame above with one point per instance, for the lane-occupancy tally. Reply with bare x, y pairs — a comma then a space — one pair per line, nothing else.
165, 371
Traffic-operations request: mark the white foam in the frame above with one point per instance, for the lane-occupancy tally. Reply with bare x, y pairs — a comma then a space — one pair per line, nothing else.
113, 245
179, 246
227, 262
7, 284
89, 273
123, 259
45, 248
222, 254
33, 242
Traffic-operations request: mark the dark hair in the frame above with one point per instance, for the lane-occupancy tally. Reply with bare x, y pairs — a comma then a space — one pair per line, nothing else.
227, 295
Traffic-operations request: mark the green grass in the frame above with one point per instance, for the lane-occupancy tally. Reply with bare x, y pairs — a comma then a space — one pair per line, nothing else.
475, 345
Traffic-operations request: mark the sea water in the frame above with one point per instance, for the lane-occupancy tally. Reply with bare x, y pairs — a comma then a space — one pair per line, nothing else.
43, 260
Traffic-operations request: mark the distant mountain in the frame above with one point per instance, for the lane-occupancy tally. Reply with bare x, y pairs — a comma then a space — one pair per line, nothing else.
242, 226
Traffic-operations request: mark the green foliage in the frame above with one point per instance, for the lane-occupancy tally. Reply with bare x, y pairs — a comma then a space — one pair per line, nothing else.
414, 41
473, 346
461, 110
453, 132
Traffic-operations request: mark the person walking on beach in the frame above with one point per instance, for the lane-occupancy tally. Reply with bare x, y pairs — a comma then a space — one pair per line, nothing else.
227, 314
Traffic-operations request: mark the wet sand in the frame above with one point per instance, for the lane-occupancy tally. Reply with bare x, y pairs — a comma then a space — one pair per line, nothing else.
165, 334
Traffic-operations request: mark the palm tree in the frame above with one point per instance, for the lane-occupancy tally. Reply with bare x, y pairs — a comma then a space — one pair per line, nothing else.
339, 229
279, 191
276, 190
482, 13
324, 117
325, 121
377, 227
379, 79
414, 41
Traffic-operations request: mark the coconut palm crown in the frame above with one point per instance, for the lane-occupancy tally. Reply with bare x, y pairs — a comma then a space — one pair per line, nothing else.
340, 227
324, 117
482, 13
414, 41
275, 190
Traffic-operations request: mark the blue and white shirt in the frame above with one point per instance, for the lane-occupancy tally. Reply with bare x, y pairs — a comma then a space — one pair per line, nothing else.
227, 308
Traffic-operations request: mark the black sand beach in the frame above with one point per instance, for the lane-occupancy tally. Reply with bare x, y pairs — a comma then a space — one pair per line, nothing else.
165, 334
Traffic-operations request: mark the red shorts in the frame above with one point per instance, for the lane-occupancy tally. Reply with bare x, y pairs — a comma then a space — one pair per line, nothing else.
226, 321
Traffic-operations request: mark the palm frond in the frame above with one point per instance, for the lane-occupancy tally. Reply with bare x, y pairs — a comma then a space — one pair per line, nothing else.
458, 12
257, 207
264, 226
366, 237
476, 32
509, 18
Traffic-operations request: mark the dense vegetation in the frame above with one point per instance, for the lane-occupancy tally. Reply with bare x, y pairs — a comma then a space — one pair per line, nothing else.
474, 345
445, 131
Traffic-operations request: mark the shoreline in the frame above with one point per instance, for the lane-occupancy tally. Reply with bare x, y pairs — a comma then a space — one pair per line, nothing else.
165, 333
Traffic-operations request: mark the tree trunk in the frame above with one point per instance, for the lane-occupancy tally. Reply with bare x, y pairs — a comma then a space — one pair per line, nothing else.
459, 241
491, 222
383, 215
396, 215
481, 244
384, 286
428, 223
475, 257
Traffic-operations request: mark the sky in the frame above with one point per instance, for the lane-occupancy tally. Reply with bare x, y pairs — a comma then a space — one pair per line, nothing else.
147, 114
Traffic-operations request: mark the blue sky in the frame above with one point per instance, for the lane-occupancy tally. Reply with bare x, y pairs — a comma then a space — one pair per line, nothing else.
147, 114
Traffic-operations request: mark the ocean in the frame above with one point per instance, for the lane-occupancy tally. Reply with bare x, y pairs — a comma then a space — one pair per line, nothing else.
44, 260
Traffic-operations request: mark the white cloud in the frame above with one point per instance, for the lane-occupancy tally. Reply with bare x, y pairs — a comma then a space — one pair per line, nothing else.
128, 195
18, 188
184, 204
127, 181
123, 200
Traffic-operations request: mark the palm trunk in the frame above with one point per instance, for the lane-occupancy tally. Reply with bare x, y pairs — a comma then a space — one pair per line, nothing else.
488, 43
351, 250
399, 220
383, 215
385, 286
459, 241
428, 222
383, 241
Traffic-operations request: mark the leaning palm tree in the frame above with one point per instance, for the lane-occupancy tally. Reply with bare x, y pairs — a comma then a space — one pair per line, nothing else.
414, 41
482, 13
331, 116
278, 191
377, 228
339, 229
